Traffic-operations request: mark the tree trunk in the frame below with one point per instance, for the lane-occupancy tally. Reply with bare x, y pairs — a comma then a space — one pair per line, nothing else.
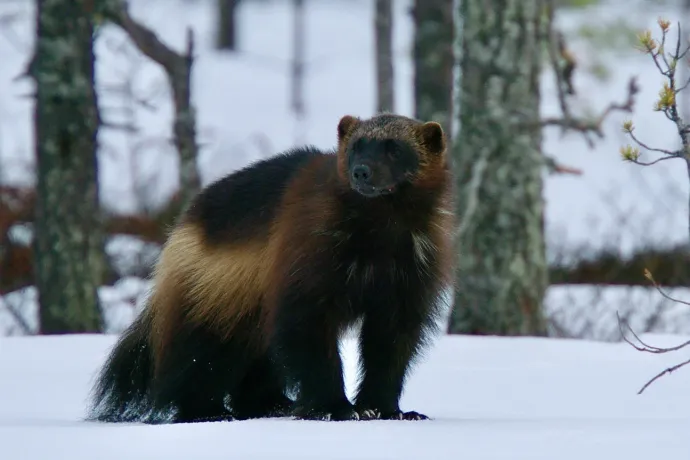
297, 70
69, 255
502, 269
433, 61
385, 99
226, 32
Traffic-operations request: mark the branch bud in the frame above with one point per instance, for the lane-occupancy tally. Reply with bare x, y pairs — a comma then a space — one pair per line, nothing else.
663, 24
630, 153
646, 41
667, 98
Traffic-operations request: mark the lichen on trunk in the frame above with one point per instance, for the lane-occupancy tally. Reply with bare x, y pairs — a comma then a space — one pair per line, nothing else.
501, 269
68, 245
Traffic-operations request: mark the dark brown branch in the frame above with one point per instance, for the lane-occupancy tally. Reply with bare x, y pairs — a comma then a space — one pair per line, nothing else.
558, 51
559, 168
650, 348
645, 347
661, 374
594, 126
670, 153
19, 319
650, 163
179, 70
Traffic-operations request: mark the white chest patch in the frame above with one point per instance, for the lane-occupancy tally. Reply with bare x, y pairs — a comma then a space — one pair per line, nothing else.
423, 247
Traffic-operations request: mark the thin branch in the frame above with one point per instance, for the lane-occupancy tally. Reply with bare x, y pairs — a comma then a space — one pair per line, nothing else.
556, 48
645, 347
559, 168
145, 39
670, 153
650, 348
685, 85
650, 277
650, 163
594, 126
126, 127
661, 374
19, 319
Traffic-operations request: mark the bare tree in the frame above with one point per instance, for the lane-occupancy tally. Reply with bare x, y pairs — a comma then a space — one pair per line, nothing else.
383, 27
644, 347
433, 61
68, 245
667, 63
226, 29
179, 70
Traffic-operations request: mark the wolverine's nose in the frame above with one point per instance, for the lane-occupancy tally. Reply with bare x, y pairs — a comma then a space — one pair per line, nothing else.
361, 173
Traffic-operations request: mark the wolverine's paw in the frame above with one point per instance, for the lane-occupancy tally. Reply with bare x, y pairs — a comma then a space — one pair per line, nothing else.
400, 415
332, 414
282, 409
207, 419
369, 414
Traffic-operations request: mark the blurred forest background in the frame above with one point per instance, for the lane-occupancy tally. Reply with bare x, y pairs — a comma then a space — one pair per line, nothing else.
113, 114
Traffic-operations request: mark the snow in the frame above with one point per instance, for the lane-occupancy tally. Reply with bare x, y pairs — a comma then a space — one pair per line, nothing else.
489, 398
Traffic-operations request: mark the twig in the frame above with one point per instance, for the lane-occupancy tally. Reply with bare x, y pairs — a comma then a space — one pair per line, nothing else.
645, 347
126, 127
648, 275
558, 168
19, 319
650, 348
661, 374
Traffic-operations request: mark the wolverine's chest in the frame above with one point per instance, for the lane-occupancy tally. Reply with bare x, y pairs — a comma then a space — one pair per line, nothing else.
384, 259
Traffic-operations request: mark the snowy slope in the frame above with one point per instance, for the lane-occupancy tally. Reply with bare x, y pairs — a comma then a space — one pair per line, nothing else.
490, 398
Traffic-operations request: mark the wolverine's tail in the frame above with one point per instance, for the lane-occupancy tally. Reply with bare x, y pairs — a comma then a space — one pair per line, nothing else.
122, 391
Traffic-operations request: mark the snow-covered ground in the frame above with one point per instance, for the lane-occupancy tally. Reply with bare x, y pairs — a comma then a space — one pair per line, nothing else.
489, 398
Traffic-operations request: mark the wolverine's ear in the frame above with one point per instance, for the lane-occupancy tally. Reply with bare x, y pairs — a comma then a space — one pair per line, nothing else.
346, 125
433, 137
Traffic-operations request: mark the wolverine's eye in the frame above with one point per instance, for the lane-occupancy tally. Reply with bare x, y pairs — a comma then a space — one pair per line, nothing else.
391, 149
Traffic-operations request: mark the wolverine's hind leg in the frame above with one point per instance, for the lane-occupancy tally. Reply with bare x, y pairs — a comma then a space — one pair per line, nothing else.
261, 392
196, 375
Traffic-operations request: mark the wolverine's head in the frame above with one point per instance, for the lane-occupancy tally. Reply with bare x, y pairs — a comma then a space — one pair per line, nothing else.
379, 155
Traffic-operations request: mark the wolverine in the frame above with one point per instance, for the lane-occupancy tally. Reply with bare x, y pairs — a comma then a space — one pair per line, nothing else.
267, 268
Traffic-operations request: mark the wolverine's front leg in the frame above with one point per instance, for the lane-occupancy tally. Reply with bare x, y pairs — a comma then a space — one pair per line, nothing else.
305, 342
388, 342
